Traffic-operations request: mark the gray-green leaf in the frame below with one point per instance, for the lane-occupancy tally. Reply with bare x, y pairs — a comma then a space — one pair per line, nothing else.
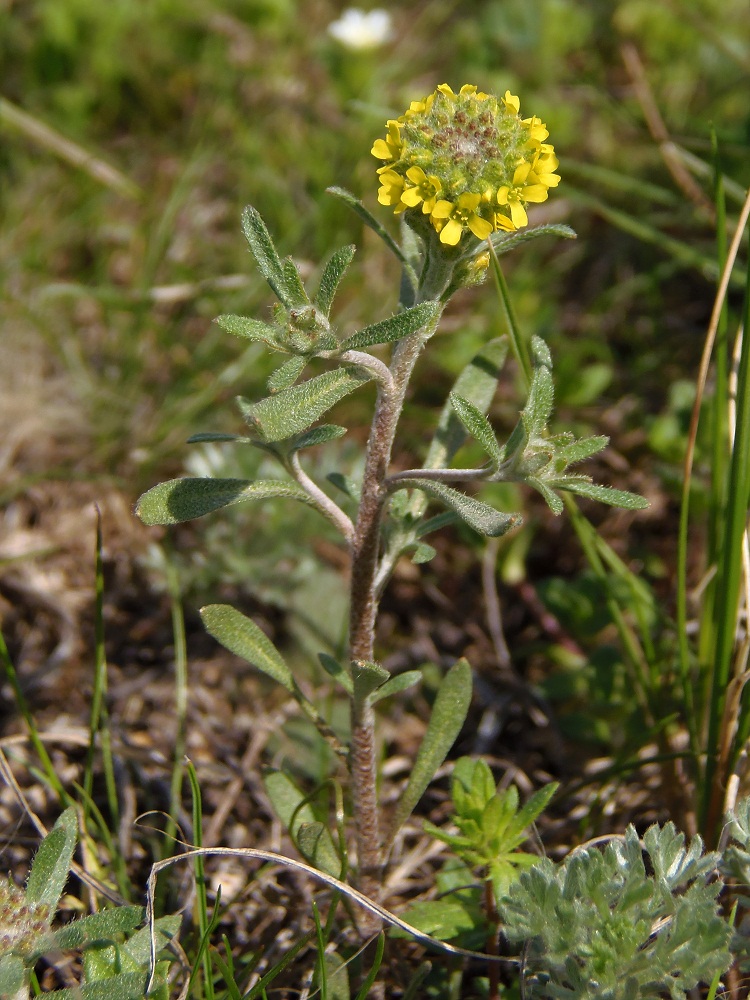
180, 500
448, 715
250, 329
316, 845
317, 435
288, 374
268, 261
504, 242
369, 219
401, 682
395, 327
291, 411
13, 979
103, 926
367, 677
604, 494
477, 383
51, 865
334, 669
331, 276
478, 515
539, 405
476, 423
312, 838
241, 636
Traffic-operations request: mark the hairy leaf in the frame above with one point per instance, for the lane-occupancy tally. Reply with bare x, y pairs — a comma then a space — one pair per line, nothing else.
293, 283
335, 670
368, 218
13, 978
180, 500
367, 677
316, 845
477, 424
331, 276
241, 636
401, 682
103, 926
288, 374
166, 929
250, 329
317, 435
604, 494
210, 436
446, 720
504, 242
394, 328
269, 264
291, 411
581, 449
539, 405
51, 865
479, 516
124, 986
296, 813
477, 383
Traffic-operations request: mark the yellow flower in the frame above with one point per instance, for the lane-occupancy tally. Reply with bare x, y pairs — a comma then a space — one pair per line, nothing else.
519, 191
461, 215
424, 190
543, 167
537, 129
511, 103
391, 189
468, 161
390, 147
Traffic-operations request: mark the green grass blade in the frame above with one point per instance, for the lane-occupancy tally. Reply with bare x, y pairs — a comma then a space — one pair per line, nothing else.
729, 582
518, 344
48, 768
99, 731
204, 922
181, 693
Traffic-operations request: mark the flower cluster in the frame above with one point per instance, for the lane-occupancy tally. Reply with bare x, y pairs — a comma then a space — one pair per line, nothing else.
468, 161
21, 922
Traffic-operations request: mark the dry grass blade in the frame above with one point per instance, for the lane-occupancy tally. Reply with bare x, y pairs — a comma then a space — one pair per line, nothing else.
63, 147
353, 894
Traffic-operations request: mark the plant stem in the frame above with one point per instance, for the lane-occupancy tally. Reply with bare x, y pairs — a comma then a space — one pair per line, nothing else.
364, 605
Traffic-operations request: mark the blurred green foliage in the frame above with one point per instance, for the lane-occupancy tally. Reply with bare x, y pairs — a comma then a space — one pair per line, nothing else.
210, 105
213, 104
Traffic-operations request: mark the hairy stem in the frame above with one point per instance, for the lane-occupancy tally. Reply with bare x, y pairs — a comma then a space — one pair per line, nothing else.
364, 603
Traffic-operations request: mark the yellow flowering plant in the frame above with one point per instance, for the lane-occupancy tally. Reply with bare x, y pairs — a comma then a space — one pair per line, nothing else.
459, 170
468, 161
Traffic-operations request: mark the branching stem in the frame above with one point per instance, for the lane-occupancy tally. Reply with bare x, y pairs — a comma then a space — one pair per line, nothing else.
322, 501
365, 551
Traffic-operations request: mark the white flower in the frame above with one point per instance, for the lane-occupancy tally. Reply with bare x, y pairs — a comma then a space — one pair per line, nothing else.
359, 30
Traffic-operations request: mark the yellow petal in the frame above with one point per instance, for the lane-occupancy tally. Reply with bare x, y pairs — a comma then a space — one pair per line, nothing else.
535, 192
511, 102
469, 201
521, 173
518, 215
480, 227
443, 209
380, 150
504, 223
451, 232
411, 197
416, 175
